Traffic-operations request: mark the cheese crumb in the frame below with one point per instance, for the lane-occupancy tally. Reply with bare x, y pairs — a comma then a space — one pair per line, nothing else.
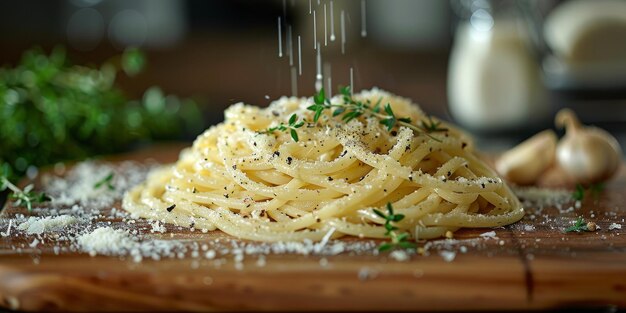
448, 256
107, 241
399, 255
615, 226
39, 225
490, 234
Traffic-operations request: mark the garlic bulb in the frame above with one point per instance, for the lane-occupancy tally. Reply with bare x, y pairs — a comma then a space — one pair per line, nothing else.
526, 162
588, 154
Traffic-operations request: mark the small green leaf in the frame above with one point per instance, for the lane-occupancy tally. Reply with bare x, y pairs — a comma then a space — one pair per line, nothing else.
379, 213
293, 119
385, 246
294, 135
402, 237
389, 110
317, 115
389, 122
407, 245
298, 125
345, 91
405, 119
397, 217
319, 97
313, 107
389, 208
339, 111
105, 181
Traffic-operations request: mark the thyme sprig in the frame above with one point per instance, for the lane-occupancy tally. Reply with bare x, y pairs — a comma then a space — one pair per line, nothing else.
432, 126
106, 181
21, 197
578, 226
351, 109
397, 240
292, 125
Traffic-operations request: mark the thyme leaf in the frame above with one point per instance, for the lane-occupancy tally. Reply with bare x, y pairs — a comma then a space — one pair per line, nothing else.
106, 181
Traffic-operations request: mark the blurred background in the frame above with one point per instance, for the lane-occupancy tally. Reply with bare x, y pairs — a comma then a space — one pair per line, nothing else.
138, 70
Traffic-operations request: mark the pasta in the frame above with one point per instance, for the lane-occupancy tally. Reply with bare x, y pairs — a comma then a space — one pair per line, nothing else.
267, 186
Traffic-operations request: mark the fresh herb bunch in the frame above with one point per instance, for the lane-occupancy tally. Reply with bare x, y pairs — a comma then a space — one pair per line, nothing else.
20, 197
397, 240
51, 110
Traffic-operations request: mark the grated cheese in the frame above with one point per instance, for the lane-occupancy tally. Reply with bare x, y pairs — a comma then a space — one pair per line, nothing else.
39, 225
447, 256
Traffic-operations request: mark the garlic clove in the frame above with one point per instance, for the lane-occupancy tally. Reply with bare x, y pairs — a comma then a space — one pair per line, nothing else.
526, 162
555, 177
588, 154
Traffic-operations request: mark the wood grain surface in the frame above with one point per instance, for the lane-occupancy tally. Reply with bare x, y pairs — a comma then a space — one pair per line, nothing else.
530, 265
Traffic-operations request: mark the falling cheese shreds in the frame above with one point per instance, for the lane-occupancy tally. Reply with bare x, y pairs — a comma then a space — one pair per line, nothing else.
39, 225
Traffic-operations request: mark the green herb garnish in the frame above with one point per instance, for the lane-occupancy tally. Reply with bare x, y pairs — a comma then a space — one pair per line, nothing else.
432, 126
21, 197
106, 181
350, 109
397, 240
292, 125
579, 226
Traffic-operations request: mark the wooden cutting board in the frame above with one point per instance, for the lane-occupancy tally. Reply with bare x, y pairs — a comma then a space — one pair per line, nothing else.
529, 265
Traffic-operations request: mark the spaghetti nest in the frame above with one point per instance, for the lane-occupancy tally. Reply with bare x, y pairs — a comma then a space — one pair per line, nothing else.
269, 186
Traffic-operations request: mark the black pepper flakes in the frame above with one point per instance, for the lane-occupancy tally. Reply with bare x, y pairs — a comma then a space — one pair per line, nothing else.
171, 207
289, 159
